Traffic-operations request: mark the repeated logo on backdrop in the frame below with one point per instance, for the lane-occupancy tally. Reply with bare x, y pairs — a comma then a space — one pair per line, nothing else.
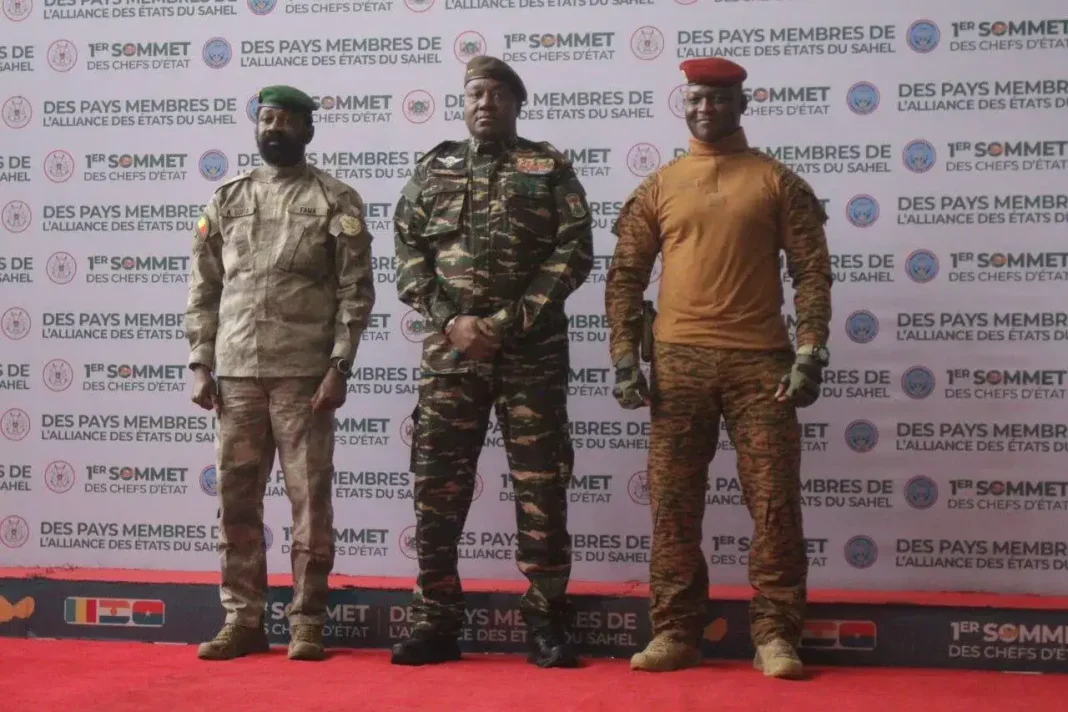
942, 177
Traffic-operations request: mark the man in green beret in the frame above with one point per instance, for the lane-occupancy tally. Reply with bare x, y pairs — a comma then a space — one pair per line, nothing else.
492, 234
280, 292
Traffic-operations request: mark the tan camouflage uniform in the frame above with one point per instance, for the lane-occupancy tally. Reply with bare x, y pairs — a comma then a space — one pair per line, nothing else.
764, 208
281, 283
502, 232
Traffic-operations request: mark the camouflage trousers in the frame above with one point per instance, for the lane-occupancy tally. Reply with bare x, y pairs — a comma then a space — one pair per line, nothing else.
450, 423
258, 417
693, 388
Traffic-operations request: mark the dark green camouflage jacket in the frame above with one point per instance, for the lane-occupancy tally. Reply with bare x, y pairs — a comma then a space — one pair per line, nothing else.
500, 232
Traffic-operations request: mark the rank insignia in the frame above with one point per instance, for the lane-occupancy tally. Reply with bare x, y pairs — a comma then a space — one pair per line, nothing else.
449, 161
534, 166
202, 227
350, 225
578, 210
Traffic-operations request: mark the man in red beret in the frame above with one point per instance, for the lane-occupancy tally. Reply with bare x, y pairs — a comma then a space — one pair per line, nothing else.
719, 217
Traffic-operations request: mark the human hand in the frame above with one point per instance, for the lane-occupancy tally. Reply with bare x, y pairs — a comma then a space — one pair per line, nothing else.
473, 339
631, 390
205, 390
331, 393
801, 386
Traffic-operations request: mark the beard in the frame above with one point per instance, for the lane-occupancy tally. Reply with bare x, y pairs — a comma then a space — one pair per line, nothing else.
280, 150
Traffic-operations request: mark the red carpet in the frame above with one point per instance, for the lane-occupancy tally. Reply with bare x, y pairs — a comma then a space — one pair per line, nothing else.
57, 676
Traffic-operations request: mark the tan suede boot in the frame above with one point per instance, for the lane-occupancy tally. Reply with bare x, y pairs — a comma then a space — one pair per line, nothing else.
306, 643
234, 641
777, 658
665, 654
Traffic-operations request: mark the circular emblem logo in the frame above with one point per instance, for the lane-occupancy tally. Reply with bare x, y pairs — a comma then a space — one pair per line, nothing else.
59, 166
418, 5
268, 538
418, 106
862, 211
861, 436
479, 486
14, 531
686, 2
923, 36
647, 43
214, 165
252, 107
407, 430
409, 545
57, 375
918, 382
921, 492
16, 112
17, 10
638, 488
921, 266
468, 45
414, 327
643, 159
658, 267
262, 7
61, 268
863, 98
14, 424
919, 156
677, 101
15, 323
861, 552
16, 216
62, 55
209, 481
862, 327
216, 53
59, 476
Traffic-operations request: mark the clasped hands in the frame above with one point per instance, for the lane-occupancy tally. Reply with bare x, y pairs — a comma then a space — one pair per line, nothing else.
473, 338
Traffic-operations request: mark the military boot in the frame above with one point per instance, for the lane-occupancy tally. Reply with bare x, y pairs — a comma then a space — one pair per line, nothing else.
306, 642
777, 658
425, 647
665, 654
234, 641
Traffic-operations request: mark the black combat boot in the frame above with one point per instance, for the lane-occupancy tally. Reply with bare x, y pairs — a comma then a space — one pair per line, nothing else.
425, 647
547, 640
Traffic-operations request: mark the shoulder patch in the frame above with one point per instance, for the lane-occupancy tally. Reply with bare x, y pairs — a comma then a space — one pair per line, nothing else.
350, 225
202, 226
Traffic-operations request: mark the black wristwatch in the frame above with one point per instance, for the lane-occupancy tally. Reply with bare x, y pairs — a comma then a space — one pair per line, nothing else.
342, 366
820, 353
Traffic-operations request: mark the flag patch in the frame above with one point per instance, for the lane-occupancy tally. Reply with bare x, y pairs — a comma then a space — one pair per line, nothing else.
202, 226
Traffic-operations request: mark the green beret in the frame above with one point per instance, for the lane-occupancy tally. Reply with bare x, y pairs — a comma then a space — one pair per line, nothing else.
285, 97
486, 67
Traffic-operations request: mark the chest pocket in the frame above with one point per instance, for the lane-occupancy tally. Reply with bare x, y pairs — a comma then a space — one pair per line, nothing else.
305, 241
443, 199
235, 226
531, 208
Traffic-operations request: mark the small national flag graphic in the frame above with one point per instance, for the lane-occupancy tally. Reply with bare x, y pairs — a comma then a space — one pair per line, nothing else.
857, 635
113, 612
820, 634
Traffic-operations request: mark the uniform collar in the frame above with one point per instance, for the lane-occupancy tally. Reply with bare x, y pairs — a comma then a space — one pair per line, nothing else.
491, 148
734, 142
275, 174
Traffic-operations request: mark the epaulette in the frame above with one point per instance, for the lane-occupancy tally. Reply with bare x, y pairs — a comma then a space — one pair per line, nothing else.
333, 186
233, 179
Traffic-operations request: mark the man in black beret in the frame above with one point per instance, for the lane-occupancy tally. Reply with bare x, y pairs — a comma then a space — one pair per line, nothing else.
281, 290
492, 233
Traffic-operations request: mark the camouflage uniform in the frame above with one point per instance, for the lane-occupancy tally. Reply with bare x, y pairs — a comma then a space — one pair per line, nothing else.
281, 284
501, 232
692, 387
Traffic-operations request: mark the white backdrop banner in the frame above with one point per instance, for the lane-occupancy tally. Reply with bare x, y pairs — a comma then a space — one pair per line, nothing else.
935, 132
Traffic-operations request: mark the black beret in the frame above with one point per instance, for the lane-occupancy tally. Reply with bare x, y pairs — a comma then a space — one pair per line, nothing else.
486, 67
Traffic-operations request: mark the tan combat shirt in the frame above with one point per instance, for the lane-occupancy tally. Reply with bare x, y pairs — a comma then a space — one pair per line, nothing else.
281, 279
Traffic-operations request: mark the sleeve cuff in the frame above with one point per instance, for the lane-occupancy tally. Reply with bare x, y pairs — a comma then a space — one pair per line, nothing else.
203, 355
345, 350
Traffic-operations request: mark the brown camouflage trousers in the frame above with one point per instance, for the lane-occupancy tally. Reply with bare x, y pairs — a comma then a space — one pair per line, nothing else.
450, 425
258, 417
693, 387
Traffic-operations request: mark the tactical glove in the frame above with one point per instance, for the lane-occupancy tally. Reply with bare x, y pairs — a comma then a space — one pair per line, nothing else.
631, 390
802, 383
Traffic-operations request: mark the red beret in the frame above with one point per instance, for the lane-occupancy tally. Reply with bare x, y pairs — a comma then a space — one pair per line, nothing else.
713, 71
